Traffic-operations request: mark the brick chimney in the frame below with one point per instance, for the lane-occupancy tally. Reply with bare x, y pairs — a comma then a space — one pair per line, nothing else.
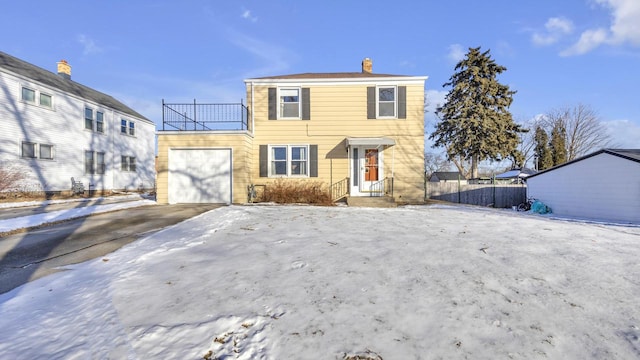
367, 66
64, 69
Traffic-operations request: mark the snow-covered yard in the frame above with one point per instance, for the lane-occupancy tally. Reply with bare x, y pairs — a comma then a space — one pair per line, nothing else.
302, 282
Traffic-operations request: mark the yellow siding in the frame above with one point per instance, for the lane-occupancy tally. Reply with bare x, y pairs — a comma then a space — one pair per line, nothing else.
338, 112
240, 143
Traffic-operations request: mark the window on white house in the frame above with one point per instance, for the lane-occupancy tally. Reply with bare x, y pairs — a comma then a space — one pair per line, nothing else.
28, 149
89, 162
45, 100
88, 119
289, 103
28, 95
99, 122
46, 151
128, 163
289, 160
386, 101
132, 129
123, 126
100, 164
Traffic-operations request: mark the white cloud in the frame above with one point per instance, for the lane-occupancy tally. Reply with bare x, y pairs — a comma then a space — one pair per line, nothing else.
624, 28
456, 52
246, 14
89, 46
555, 28
625, 133
588, 41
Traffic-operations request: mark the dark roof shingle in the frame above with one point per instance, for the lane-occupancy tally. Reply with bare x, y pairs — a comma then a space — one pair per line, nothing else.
56, 81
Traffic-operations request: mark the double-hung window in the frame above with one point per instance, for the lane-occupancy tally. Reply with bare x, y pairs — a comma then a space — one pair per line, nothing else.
127, 127
386, 101
289, 103
33, 150
128, 163
89, 160
99, 121
100, 164
289, 160
88, 119
29, 96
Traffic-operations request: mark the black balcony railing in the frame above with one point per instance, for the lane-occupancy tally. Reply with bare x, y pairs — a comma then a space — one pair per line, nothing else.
204, 117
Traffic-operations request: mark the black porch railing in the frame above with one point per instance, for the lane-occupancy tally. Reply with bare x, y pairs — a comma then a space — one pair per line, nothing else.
204, 117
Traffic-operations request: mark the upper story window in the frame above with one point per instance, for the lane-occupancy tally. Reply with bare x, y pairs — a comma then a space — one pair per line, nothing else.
99, 121
45, 100
88, 119
28, 95
386, 101
127, 127
46, 151
289, 103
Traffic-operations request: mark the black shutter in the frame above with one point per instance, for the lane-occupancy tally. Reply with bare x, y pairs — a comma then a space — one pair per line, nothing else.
273, 106
313, 160
402, 102
306, 104
264, 161
371, 102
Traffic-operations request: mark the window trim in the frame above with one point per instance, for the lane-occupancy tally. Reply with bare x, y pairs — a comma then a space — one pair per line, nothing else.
127, 127
395, 101
33, 91
89, 168
88, 120
127, 163
288, 161
100, 121
280, 103
51, 151
34, 150
50, 106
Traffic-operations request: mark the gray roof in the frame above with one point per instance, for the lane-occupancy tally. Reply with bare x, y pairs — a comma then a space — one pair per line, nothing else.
629, 154
336, 75
56, 81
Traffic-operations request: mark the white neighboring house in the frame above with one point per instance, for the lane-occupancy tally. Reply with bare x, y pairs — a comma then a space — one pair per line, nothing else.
54, 129
604, 185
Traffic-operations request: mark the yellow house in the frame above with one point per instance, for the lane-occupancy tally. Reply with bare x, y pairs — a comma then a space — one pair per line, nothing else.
360, 133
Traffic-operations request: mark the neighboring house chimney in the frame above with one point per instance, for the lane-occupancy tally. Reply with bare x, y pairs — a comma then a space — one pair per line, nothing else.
64, 69
367, 65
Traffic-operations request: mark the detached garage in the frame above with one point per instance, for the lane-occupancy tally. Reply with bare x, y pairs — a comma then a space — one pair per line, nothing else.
604, 185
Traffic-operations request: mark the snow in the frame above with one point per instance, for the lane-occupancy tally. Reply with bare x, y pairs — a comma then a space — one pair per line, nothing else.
304, 282
59, 215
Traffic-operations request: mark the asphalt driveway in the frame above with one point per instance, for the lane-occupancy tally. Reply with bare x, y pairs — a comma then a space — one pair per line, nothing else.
38, 252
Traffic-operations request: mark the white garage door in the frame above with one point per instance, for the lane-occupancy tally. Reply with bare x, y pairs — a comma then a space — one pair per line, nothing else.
199, 176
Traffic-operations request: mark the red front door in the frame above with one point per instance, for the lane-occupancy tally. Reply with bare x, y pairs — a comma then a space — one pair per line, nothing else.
371, 165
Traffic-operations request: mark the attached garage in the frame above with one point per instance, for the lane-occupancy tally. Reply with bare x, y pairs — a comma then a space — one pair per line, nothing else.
604, 185
200, 175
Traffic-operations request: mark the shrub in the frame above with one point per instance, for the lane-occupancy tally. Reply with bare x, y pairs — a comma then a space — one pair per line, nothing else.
10, 178
297, 191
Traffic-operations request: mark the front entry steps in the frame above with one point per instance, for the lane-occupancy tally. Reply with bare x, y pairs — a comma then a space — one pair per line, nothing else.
372, 201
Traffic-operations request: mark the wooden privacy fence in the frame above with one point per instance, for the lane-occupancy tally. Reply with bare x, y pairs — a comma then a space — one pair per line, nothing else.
495, 195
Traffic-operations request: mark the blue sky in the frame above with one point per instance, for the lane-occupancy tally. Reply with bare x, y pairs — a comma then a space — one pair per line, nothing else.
557, 53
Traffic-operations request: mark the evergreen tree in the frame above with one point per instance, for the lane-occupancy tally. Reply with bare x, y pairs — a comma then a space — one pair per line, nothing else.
475, 123
542, 150
558, 144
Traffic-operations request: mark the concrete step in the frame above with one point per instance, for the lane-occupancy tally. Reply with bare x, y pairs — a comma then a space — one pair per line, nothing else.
372, 201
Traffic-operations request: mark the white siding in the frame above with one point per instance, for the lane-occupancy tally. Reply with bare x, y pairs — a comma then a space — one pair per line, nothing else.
601, 187
63, 127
